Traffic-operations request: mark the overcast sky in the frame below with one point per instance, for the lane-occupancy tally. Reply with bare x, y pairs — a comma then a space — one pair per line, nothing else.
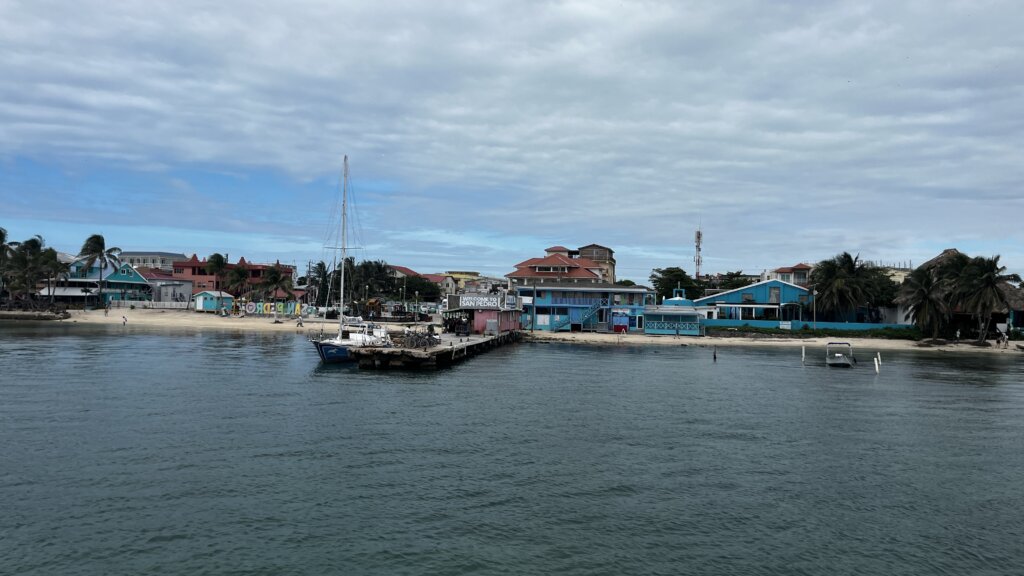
480, 133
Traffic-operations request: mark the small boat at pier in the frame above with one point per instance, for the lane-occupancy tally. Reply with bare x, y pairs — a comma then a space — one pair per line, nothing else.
839, 355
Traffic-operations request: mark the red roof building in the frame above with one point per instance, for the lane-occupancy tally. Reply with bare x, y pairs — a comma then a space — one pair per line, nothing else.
799, 274
194, 270
557, 267
401, 272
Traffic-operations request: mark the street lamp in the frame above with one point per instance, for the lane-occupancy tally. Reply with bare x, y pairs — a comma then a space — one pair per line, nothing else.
814, 305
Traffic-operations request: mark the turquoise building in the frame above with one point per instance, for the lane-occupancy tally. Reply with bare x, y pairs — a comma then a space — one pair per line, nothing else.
767, 300
125, 283
213, 301
676, 316
576, 307
121, 282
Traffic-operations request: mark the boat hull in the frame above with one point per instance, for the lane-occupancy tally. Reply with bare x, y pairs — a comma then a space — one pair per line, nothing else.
842, 362
332, 352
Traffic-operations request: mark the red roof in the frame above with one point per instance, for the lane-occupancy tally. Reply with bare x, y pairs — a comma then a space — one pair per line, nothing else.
786, 269
404, 270
435, 278
155, 274
577, 267
556, 249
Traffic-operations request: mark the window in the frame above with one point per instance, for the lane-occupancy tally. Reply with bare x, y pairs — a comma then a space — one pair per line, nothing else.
748, 296
774, 294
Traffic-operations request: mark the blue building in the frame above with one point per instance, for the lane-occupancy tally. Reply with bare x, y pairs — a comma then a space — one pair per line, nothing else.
766, 300
573, 307
565, 292
121, 282
213, 301
676, 316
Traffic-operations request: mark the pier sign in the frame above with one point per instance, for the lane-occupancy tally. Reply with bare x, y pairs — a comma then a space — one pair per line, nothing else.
478, 301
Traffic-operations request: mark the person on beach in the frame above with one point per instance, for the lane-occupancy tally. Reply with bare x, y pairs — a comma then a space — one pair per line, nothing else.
124, 320
299, 323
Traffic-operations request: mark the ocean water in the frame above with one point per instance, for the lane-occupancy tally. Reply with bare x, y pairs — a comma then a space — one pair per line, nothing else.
158, 452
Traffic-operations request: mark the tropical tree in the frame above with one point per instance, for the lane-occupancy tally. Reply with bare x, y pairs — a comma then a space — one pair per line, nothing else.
320, 277
237, 281
956, 273
94, 251
842, 283
926, 295
25, 267
274, 281
217, 265
734, 280
54, 269
5, 250
984, 291
665, 280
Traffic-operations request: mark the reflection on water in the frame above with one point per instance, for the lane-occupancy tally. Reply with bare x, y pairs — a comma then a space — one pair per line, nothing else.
142, 451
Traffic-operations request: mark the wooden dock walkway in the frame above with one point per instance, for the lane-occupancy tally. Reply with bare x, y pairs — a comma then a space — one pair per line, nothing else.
452, 349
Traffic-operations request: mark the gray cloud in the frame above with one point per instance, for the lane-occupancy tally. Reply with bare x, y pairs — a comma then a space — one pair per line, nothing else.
790, 131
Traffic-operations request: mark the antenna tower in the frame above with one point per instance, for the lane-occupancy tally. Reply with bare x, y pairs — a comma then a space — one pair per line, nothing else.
697, 238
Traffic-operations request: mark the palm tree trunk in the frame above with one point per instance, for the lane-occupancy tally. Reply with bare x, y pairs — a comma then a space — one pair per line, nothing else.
982, 328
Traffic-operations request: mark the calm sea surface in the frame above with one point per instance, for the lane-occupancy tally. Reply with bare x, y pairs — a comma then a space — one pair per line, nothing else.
129, 452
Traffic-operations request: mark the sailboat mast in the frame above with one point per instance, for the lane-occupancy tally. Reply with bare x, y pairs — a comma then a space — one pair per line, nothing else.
344, 245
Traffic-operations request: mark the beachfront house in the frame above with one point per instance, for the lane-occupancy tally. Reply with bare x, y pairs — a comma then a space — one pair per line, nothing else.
766, 300
165, 287
677, 316
125, 283
121, 282
213, 301
565, 293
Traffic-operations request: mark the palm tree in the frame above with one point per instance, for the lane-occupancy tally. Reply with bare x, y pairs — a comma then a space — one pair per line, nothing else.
237, 281
926, 295
94, 251
5, 249
985, 279
24, 266
842, 283
55, 270
274, 281
217, 265
954, 271
321, 278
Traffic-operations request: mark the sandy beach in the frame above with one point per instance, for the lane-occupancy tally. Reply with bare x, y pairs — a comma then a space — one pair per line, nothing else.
176, 319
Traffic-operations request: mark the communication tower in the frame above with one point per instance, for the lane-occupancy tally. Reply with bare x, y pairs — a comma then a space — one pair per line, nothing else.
697, 238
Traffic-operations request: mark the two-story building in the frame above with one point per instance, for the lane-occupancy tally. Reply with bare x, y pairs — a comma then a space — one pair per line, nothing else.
561, 292
799, 274
120, 282
194, 271
163, 261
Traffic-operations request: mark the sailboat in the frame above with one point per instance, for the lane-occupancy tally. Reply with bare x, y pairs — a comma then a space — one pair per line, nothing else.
352, 331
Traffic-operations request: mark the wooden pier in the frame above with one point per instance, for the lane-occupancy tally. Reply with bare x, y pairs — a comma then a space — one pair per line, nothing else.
452, 349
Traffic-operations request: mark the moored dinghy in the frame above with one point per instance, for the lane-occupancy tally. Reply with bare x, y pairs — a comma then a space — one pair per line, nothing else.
839, 355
